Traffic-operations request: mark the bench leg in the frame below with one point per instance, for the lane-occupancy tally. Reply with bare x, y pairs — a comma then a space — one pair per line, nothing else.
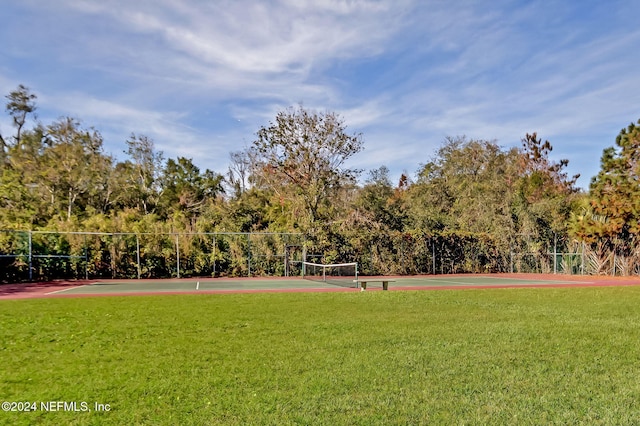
385, 285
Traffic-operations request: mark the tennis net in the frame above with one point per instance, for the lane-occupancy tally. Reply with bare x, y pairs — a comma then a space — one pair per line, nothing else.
342, 274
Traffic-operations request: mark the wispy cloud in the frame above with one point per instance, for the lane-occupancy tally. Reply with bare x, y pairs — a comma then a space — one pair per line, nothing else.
247, 40
202, 77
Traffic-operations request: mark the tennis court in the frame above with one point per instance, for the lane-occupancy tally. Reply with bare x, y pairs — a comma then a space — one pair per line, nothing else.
297, 284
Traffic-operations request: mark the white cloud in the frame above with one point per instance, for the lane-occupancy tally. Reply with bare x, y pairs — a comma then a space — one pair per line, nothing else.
488, 70
255, 37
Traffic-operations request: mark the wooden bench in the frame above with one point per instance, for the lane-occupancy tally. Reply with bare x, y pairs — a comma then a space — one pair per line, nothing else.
363, 283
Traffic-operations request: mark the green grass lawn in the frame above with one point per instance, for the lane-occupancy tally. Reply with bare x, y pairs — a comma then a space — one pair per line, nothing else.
519, 356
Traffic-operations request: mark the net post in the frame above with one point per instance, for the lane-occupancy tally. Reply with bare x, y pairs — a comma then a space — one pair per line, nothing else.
355, 273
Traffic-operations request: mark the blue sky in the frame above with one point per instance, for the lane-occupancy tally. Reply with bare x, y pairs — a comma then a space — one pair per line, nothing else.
201, 77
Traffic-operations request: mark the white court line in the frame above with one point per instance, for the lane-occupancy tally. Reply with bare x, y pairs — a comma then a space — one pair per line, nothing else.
444, 281
529, 279
66, 289
536, 281
531, 282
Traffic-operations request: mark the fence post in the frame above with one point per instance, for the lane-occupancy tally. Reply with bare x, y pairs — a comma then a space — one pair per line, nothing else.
138, 254
403, 265
214, 255
433, 255
286, 260
371, 266
249, 254
555, 253
30, 257
113, 255
86, 258
511, 259
178, 254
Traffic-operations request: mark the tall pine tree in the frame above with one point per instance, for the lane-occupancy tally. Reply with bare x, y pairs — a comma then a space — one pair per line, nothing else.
614, 196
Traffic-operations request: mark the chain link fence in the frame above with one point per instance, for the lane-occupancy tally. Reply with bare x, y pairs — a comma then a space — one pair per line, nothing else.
48, 255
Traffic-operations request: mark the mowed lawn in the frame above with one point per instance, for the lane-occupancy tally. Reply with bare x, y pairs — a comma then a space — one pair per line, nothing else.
513, 356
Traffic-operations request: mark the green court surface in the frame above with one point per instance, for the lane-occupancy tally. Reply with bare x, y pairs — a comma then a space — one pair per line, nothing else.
481, 280
191, 285
229, 285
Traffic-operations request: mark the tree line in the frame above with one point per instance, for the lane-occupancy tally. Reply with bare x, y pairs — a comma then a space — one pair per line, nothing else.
472, 198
